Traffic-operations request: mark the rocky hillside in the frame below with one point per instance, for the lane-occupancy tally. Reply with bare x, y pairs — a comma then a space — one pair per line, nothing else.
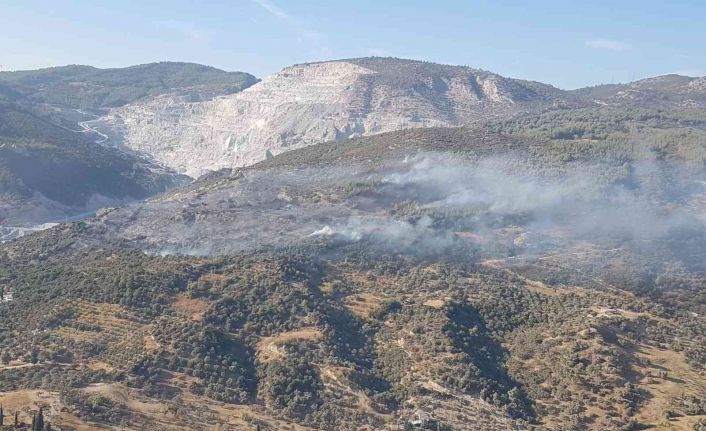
668, 91
310, 103
334, 100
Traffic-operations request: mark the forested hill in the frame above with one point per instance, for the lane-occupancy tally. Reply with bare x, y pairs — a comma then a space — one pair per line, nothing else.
86, 87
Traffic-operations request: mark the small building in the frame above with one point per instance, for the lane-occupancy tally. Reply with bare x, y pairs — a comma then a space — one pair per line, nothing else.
7, 296
419, 420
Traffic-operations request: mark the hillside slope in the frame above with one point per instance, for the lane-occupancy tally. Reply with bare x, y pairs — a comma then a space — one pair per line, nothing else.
334, 100
53, 165
667, 92
491, 278
311, 103
48, 172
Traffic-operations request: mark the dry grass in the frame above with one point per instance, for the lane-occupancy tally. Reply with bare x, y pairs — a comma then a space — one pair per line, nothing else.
531, 285
435, 303
99, 365
27, 402
362, 304
366, 280
192, 308
112, 391
681, 379
338, 385
151, 344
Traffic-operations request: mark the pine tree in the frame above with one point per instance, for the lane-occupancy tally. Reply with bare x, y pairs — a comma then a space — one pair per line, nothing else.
17, 420
39, 426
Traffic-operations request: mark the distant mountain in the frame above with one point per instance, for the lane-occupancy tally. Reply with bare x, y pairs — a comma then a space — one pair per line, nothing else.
86, 87
668, 91
310, 103
98, 123
48, 173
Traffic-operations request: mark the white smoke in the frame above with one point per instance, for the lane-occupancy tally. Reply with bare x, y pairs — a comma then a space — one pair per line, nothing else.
422, 203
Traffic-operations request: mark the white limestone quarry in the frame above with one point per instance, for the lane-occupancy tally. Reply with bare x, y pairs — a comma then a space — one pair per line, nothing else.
303, 105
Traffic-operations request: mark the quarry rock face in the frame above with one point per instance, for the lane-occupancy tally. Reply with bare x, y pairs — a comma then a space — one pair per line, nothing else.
311, 103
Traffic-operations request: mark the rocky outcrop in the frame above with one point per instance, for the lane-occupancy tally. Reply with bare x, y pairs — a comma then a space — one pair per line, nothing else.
311, 103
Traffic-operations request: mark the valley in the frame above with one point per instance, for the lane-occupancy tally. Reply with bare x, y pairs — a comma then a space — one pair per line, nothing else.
54, 165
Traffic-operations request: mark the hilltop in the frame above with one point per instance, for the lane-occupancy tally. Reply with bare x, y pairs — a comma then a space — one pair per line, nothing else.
91, 88
316, 102
309, 103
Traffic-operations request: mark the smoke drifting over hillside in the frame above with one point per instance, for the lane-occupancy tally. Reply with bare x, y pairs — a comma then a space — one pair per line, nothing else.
484, 196
429, 204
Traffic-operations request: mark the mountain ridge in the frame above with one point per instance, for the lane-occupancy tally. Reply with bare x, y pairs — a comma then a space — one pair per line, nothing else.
314, 102
116, 86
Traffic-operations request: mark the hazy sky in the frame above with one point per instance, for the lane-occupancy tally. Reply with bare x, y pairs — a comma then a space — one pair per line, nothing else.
565, 43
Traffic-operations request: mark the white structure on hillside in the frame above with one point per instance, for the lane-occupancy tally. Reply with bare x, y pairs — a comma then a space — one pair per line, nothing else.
6, 296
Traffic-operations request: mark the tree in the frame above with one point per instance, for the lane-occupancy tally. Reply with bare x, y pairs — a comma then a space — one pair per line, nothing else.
39, 424
2, 417
17, 420
700, 425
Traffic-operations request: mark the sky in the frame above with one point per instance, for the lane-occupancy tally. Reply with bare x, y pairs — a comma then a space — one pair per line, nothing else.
568, 44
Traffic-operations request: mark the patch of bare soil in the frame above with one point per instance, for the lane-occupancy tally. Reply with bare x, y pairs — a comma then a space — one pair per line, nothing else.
362, 304
435, 303
193, 308
667, 377
27, 402
272, 348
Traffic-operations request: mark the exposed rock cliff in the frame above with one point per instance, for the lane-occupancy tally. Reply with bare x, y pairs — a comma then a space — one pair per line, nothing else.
310, 103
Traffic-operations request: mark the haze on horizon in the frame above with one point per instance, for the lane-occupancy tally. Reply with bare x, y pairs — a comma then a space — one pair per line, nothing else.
568, 46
